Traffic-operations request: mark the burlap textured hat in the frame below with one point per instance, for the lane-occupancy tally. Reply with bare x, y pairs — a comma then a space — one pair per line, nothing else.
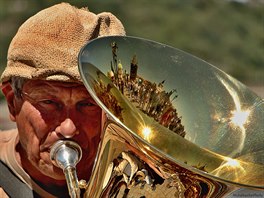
46, 46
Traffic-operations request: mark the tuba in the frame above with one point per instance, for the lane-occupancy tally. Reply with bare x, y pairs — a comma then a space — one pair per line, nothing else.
176, 126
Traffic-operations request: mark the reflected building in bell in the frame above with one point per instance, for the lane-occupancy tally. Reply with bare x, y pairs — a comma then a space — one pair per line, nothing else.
151, 98
133, 68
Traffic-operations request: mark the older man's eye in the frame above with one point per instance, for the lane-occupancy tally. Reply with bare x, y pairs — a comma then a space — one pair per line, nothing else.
86, 106
50, 104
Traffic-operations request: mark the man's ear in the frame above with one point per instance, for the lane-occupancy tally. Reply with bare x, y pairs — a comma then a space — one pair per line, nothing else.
10, 97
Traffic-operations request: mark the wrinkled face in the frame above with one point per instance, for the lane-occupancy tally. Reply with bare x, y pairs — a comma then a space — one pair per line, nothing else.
50, 111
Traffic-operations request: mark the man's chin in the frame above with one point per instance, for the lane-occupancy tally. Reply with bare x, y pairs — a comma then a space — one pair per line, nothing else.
58, 179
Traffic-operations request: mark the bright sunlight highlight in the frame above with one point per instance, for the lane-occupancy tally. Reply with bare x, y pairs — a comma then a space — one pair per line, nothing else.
146, 132
239, 118
232, 163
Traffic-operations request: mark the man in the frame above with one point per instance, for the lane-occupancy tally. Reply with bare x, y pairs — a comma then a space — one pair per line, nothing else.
46, 97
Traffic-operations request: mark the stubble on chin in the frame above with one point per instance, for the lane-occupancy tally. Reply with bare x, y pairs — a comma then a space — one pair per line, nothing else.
44, 166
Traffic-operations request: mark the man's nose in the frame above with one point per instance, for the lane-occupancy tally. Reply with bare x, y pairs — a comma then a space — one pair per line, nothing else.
67, 128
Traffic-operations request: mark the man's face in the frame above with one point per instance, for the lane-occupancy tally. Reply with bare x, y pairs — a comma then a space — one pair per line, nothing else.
50, 111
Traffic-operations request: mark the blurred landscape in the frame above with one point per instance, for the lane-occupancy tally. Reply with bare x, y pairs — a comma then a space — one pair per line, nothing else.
226, 33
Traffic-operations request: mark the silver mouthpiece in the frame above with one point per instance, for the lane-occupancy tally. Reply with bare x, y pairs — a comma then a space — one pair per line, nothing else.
65, 154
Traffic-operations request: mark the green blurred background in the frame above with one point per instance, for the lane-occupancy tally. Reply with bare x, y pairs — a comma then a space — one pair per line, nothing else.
228, 34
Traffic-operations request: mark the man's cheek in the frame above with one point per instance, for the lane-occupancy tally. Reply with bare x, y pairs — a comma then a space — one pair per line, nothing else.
48, 117
30, 131
34, 122
30, 145
33, 151
92, 129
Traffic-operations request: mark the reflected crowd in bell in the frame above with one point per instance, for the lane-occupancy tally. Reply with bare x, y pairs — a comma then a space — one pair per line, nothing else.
149, 97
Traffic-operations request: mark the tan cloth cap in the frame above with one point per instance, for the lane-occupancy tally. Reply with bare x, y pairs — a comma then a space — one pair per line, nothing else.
46, 46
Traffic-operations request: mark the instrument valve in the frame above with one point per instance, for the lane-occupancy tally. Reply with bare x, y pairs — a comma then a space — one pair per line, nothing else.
82, 184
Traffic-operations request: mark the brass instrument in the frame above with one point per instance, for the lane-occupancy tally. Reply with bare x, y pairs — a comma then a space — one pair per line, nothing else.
176, 126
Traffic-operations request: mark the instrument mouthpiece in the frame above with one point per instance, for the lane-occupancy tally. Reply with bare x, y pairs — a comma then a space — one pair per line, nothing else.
65, 153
